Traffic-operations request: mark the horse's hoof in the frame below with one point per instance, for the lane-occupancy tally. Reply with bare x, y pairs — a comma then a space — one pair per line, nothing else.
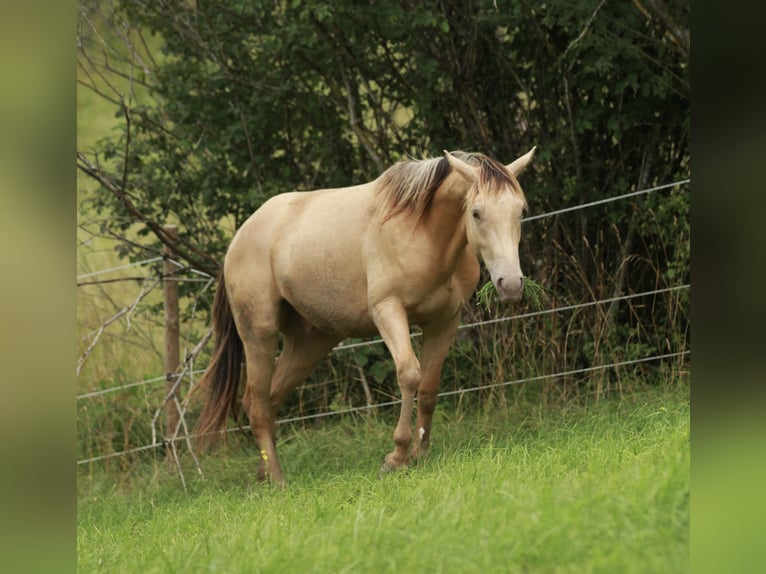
389, 466
262, 476
386, 469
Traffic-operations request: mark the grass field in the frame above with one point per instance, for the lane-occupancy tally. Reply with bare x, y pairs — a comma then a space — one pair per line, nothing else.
576, 488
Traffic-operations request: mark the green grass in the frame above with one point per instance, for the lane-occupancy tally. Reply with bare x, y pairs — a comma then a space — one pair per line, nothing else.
599, 488
533, 292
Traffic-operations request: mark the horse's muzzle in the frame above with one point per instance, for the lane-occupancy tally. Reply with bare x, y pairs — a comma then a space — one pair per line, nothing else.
510, 288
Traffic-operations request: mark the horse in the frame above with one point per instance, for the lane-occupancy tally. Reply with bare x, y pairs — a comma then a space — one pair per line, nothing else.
316, 267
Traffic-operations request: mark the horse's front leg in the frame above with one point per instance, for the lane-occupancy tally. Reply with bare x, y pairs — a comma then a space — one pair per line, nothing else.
391, 320
437, 339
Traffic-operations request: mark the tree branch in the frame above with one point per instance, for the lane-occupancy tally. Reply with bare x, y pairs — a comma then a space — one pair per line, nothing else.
198, 259
678, 34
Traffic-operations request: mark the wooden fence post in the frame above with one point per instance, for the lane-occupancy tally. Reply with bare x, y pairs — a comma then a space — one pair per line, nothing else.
172, 334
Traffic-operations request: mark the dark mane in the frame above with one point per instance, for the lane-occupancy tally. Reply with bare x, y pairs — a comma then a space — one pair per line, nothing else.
493, 176
409, 186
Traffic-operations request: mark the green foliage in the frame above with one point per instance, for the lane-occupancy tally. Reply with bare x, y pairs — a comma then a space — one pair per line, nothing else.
250, 99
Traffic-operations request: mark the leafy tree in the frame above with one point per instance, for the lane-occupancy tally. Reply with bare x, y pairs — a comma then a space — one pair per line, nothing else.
250, 99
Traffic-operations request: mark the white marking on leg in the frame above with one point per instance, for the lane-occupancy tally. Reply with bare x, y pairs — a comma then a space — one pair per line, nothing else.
421, 432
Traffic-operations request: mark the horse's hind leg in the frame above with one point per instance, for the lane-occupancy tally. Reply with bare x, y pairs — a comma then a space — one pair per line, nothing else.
260, 351
258, 325
303, 348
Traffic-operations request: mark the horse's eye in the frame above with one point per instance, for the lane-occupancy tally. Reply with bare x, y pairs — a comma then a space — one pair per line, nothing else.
476, 214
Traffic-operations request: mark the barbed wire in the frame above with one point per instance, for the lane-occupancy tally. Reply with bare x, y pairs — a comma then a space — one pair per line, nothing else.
364, 408
163, 277
483, 387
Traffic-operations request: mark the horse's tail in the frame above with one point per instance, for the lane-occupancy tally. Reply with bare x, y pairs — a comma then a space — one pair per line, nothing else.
222, 377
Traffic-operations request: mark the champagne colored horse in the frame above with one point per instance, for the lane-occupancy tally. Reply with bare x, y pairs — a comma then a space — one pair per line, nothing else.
324, 265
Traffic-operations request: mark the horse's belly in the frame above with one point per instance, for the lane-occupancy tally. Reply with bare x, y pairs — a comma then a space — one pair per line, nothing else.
337, 320
331, 308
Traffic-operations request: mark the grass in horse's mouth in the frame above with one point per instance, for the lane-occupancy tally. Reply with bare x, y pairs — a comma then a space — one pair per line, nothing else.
533, 292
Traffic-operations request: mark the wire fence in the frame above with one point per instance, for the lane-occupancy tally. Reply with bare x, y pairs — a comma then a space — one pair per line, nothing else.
365, 408
379, 341
204, 277
609, 199
119, 268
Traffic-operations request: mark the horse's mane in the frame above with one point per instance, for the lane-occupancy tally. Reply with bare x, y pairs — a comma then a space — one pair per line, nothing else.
493, 176
409, 186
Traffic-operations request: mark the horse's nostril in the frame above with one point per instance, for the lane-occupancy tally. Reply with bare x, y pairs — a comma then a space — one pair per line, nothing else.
511, 289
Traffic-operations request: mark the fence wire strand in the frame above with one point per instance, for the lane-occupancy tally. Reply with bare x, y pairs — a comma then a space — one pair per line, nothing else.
608, 200
119, 268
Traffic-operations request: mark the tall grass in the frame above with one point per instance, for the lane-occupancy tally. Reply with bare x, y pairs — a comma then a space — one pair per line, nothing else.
599, 487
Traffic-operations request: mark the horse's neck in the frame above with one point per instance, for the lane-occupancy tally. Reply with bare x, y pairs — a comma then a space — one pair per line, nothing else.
445, 224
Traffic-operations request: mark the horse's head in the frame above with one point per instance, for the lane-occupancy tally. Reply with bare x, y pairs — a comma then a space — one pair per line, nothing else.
494, 205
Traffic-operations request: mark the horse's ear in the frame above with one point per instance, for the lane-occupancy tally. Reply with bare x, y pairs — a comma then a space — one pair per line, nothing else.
468, 171
517, 166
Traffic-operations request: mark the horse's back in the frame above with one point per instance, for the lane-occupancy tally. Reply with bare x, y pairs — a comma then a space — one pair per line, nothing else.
307, 249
